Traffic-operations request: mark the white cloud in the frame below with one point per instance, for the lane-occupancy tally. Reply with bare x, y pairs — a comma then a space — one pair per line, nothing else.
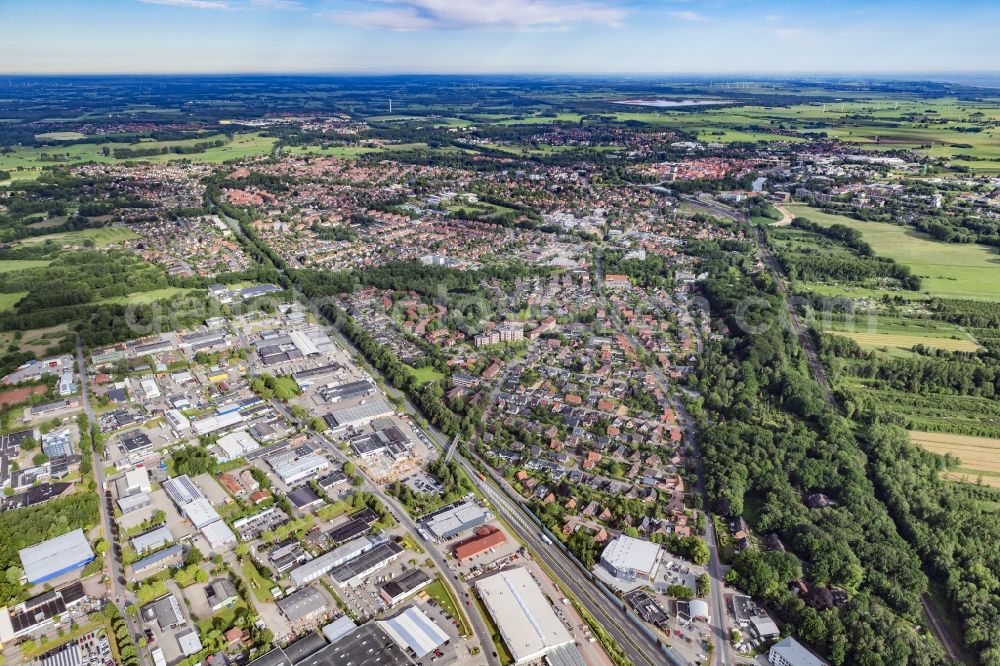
229, 4
686, 15
277, 4
191, 4
499, 15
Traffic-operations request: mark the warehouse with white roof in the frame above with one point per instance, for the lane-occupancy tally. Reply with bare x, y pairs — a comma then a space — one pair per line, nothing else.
152, 540
523, 615
414, 631
55, 557
630, 559
236, 445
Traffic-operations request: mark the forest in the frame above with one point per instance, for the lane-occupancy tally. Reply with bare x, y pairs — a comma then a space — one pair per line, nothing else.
30, 525
768, 437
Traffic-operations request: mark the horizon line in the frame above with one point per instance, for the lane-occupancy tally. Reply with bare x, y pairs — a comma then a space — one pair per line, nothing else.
625, 74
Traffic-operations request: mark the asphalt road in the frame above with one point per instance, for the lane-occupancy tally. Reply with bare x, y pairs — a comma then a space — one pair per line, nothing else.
639, 648
120, 596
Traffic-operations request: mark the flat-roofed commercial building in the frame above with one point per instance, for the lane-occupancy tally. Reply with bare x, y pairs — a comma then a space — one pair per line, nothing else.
293, 469
353, 572
402, 586
54, 557
321, 565
523, 615
152, 540
414, 632
454, 519
627, 558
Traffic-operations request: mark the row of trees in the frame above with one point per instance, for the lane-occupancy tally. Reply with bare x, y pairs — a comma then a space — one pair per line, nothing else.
768, 434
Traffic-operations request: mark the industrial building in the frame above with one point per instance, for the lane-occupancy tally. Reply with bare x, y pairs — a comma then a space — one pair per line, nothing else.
218, 535
388, 441
214, 423
55, 557
41, 610
152, 539
454, 519
235, 445
339, 628
529, 627
133, 482
293, 468
131, 503
302, 605
790, 652
165, 612
199, 512
486, 537
358, 415
321, 565
353, 572
414, 632
402, 586
629, 559
158, 561
368, 645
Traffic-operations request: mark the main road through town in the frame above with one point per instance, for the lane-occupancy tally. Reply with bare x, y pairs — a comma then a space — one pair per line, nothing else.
119, 595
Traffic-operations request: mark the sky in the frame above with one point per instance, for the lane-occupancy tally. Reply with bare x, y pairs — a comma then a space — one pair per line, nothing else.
498, 36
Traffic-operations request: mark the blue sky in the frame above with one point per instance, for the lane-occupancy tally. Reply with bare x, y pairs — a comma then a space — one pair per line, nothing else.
498, 36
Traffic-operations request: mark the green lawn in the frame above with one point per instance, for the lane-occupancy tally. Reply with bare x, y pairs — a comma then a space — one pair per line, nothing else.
101, 236
147, 296
948, 270
260, 586
8, 301
425, 374
8, 265
439, 592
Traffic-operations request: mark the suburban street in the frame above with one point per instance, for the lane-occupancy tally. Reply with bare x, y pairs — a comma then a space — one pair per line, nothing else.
120, 596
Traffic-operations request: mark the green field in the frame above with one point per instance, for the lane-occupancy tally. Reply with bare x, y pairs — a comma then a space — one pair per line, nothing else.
8, 265
948, 270
146, 297
425, 374
897, 333
8, 301
102, 236
60, 136
27, 162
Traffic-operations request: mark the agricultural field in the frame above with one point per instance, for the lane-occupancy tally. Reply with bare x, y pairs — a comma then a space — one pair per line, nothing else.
892, 334
934, 412
102, 236
60, 136
348, 152
38, 340
930, 126
979, 457
948, 270
891, 341
433, 121
28, 162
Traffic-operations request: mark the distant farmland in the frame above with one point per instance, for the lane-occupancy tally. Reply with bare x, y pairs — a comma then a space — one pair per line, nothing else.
880, 340
979, 457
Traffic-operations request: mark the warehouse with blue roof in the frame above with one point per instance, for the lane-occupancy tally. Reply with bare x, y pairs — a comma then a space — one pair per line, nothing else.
55, 557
